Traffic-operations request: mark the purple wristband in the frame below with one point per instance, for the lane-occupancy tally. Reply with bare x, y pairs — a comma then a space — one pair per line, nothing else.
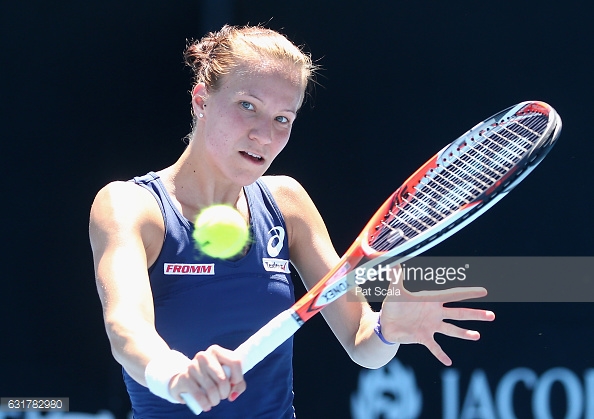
378, 331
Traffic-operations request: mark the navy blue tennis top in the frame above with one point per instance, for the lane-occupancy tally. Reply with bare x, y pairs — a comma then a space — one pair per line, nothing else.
200, 301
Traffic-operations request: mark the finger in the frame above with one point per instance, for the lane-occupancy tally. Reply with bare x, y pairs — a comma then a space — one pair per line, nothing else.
232, 363
454, 331
218, 362
211, 378
238, 384
460, 313
186, 383
201, 398
439, 353
236, 390
233, 370
208, 389
451, 295
466, 293
180, 384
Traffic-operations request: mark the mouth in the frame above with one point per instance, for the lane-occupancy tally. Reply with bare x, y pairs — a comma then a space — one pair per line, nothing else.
256, 158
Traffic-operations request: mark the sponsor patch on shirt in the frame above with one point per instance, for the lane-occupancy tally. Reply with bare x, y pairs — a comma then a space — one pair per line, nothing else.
188, 268
276, 265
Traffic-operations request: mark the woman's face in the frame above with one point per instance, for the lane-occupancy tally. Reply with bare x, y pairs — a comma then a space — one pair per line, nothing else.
247, 121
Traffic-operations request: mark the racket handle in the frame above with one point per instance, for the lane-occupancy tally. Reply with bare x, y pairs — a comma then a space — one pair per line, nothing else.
259, 346
270, 336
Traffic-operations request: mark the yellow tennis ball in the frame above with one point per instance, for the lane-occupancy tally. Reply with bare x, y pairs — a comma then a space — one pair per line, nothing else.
220, 231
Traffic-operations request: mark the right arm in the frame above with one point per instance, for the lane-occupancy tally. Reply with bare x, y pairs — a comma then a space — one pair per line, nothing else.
126, 232
121, 234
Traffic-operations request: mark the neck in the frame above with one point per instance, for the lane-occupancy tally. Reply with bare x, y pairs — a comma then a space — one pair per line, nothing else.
194, 185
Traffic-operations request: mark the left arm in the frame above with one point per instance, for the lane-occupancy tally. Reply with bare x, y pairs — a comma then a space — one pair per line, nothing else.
410, 318
351, 319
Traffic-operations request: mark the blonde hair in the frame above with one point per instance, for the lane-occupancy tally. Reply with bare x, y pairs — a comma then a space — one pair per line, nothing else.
217, 53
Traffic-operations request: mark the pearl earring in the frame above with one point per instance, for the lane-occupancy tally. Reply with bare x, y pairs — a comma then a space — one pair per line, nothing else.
200, 115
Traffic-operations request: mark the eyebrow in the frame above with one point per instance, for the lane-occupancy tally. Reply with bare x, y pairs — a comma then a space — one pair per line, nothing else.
244, 93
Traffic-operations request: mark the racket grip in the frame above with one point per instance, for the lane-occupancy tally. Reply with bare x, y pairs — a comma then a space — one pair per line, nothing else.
272, 335
191, 403
259, 346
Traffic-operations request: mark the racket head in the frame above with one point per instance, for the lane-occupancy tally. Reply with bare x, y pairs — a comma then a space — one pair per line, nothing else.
462, 181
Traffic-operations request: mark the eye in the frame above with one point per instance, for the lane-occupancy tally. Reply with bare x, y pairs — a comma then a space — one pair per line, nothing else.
247, 105
282, 119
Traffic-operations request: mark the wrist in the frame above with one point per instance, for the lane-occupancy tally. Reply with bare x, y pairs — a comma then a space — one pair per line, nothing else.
378, 330
160, 370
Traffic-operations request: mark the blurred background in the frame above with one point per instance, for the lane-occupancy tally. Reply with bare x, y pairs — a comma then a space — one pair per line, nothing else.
96, 91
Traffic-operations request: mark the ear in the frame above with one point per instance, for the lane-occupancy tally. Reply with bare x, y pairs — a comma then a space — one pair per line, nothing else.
199, 95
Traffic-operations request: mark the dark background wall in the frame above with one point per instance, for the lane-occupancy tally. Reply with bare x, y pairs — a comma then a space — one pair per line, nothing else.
96, 91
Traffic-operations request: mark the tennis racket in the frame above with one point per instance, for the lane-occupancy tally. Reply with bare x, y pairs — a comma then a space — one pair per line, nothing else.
449, 191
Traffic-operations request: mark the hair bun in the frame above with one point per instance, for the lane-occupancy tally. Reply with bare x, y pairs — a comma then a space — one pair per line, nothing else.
217, 53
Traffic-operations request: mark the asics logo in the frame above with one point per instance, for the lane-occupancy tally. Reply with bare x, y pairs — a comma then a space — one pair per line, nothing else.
275, 243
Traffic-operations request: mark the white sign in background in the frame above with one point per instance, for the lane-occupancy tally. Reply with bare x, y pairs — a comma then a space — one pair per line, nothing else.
392, 392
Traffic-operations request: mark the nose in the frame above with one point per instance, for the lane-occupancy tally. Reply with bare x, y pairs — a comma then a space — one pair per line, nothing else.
261, 131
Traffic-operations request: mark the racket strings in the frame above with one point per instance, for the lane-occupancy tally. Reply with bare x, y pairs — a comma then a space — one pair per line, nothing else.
459, 179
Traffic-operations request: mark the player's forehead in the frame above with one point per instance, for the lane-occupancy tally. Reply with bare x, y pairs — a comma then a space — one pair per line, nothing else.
266, 82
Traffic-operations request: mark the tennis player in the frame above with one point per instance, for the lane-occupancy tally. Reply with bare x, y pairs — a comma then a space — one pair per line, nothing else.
172, 314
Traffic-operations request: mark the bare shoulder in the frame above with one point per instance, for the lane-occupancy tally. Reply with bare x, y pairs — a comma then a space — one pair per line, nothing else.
307, 231
121, 209
287, 191
120, 200
296, 205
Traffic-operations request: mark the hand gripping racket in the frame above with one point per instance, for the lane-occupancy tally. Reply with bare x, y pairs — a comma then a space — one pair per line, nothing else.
453, 188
